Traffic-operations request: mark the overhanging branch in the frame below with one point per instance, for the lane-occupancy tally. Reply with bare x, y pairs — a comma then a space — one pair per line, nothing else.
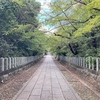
81, 2
62, 36
96, 9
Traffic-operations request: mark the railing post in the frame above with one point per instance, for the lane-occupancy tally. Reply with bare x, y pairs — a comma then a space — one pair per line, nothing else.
92, 63
6, 63
84, 62
15, 61
77, 61
9, 63
89, 63
12, 61
97, 64
1, 64
81, 61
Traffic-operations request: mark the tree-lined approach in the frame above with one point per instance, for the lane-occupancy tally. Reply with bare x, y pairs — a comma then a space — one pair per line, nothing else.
77, 25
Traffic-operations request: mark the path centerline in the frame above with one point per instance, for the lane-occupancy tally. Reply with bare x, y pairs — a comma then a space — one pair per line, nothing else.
47, 83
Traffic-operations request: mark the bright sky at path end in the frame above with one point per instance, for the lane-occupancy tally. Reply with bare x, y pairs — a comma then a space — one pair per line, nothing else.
45, 7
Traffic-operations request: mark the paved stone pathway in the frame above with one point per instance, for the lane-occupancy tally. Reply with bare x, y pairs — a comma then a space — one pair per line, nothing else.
47, 83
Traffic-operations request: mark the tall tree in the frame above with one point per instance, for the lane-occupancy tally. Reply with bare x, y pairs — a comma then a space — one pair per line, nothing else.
77, 21
19, 34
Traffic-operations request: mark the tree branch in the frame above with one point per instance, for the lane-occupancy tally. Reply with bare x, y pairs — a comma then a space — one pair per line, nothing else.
72, 49
76, 21
62, 25
64, 28
51, 17
62, 36
63, 11
96, 9
81, 2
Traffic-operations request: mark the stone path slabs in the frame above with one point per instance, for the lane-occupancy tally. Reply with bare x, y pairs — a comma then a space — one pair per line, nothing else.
47, 83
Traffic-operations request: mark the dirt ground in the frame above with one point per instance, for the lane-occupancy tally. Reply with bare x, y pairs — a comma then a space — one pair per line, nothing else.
9, 88
85, 86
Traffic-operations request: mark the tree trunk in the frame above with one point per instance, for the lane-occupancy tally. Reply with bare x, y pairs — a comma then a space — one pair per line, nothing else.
72, 49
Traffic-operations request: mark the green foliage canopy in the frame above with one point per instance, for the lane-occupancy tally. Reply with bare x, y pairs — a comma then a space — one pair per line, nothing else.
78, 23
19, 34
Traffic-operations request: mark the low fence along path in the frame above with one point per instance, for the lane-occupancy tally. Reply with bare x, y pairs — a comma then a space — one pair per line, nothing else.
47, 83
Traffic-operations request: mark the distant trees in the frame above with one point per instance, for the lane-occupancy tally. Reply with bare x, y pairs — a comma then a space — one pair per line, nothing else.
78, 27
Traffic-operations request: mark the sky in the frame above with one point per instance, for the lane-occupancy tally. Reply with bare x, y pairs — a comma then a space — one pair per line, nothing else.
44, 8
44, 3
